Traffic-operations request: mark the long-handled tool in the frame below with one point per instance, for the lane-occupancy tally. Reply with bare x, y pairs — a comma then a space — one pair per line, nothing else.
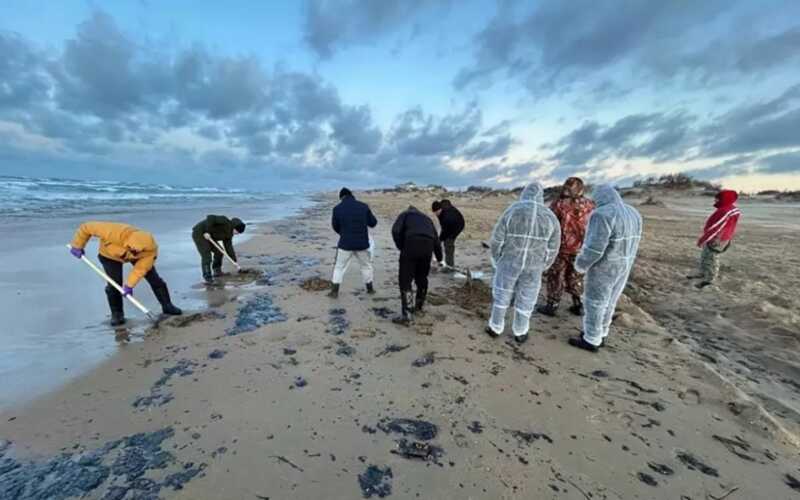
218, 247
115, 285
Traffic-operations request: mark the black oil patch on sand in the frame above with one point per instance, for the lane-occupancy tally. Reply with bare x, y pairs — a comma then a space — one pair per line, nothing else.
257, 312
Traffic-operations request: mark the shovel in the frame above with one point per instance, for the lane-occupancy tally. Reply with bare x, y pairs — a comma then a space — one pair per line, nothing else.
218, 247
115, 285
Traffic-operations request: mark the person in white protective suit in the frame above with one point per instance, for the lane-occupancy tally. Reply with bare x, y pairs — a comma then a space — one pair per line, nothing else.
524, 244
607, 257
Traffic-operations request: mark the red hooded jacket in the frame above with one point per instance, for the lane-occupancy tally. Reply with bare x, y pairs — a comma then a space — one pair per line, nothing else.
721, 225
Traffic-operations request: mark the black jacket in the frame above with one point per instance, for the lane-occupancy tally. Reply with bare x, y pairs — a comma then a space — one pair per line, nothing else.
413, 225
452, 223
220, 228
350, 220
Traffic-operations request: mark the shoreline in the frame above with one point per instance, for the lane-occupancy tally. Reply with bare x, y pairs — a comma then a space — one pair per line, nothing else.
304, 406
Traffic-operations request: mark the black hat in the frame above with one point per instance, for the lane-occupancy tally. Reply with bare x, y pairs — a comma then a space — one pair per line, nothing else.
345, 192
238, 224
436, 205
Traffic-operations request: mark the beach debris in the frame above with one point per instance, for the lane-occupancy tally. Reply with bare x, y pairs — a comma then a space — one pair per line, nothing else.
300, 382
792, 482
217, 354
337, 323
647, 479
737, 446
177, 480
315, 284
694, 463
344, 349
636, 385
376, 481
420, 429
383, 312
392, 348
257, 312
111, 471
600, 374
158, 395
188, 319
416, 450
528, 438
288, 269
427, 359
475, 427
288, 351
662, 469
281, 458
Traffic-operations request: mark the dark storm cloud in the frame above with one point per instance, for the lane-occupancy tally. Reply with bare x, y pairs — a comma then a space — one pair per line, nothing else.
783, 163
22, 73
353, 128
483, 150
331, 25
556, 44
417, 134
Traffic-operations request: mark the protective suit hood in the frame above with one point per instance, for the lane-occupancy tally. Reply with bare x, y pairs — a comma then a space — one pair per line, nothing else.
533, 192
606, 194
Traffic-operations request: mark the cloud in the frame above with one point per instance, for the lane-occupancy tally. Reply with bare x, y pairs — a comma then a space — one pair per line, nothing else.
483, 150
354, 129
332, 25
783, 163
556, 45
417, 134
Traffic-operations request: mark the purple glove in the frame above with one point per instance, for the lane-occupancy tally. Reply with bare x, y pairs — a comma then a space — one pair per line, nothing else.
76, 252
126, 290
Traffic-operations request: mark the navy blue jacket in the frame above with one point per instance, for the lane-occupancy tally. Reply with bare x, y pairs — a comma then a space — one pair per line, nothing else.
350, 220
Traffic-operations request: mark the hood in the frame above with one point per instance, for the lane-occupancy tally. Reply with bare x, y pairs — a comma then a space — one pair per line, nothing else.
533, 192
606, 194
140, 241
238, 224
573, 188
446, 204
725, 198
412, 208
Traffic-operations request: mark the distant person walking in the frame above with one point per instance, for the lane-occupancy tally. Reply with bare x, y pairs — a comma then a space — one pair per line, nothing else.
351, 221
607, 257
524, 244
415, 236
572, 210
218, 228
121, 243
717, 236
452, 223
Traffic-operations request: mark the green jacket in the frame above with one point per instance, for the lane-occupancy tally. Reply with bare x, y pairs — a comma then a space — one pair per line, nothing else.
220, 228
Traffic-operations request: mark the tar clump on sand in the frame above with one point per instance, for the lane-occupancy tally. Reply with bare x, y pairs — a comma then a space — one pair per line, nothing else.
416, 450
428, 359
257, 312
337, 323
159, 396
115, 471
315, 284
217, 354
694, 463
420, 429
376, 481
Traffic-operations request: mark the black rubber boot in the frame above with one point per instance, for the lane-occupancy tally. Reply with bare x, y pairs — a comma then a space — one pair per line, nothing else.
577, 306
334, 293
521, 339
581, 343
116, 307
162, 294
218, 272
407, 309
547, 310
491, 332
703, 284
207, 277
422, 294
370, 289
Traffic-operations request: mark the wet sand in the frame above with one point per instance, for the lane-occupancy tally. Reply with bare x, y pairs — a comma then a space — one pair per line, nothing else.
279, 392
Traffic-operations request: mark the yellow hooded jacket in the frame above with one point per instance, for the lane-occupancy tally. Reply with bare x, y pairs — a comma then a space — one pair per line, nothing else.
122, 243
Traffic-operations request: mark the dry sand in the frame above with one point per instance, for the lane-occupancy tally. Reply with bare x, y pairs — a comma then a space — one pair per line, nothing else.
696, 396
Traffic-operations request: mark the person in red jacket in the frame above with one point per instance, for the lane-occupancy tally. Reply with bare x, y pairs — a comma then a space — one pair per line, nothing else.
717, 236
572, 210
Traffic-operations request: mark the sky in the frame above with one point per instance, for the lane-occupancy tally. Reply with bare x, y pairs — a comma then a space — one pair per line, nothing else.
318, 94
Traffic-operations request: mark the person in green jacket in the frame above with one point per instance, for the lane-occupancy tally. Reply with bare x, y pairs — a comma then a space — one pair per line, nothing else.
220, 229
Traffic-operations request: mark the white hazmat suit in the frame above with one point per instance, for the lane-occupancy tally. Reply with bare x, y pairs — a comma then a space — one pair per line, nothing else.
524, 244
609, 250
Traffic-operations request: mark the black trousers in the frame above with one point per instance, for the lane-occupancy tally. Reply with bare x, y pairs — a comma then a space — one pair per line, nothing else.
114, 271
450, 252
206, 251
415, 263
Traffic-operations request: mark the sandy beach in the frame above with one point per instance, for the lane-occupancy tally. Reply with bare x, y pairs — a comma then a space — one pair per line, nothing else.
276, 391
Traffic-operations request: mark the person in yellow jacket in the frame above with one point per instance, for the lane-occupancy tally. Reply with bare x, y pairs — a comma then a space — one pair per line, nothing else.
120, 243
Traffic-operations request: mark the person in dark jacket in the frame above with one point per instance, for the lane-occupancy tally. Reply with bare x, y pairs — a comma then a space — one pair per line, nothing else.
415, 236
452, 223
220, 229
351, 220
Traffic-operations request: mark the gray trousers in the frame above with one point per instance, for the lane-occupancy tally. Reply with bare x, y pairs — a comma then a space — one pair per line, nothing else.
450, 252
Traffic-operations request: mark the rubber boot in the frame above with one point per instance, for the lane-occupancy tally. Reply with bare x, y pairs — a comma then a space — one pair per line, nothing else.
370, 289
422, 294
162, 294
577, 306
407, 312
334, 293
116, 307
547, 309
207, 277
